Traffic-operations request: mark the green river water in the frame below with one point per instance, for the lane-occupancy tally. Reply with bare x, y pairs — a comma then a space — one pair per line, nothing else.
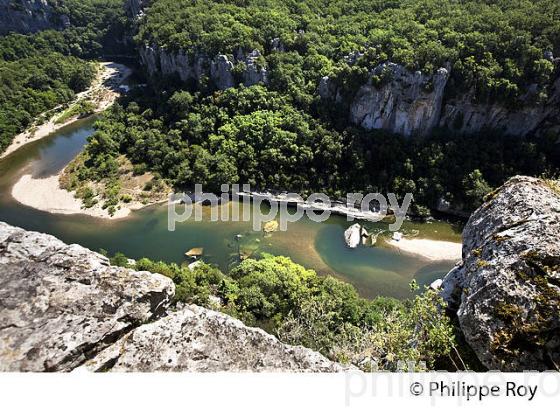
379, 270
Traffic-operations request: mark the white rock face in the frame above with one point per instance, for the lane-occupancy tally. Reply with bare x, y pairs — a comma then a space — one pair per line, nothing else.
414, 103
63, 305
353, 236
507, 290
201, 340
410, 103
219, 69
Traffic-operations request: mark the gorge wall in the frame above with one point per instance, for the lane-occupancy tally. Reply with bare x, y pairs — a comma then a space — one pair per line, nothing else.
506, 291
64, 307
414, 103
220, 70
29, 16
410, 103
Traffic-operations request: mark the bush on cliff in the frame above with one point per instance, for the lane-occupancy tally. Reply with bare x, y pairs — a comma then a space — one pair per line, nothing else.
322, 313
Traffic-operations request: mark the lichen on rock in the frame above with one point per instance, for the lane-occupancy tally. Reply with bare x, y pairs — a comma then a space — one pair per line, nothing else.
201, 340
62, 304
506, 292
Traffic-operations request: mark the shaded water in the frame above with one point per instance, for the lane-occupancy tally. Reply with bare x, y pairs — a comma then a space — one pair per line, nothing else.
374, 271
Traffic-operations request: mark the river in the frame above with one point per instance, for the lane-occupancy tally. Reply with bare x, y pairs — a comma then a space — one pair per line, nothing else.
380, 270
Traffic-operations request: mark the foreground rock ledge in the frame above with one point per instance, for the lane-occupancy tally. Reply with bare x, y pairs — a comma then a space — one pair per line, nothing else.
63, 307
201, 340
506, 292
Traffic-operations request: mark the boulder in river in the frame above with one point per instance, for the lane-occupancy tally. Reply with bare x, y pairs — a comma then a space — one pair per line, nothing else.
270, 226
195, 252
353, 236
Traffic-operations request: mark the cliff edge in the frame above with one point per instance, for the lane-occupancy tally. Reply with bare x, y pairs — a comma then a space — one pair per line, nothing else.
506, 292
30, 16
63, 307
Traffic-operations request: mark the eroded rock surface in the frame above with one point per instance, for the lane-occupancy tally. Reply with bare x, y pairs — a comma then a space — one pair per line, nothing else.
409, 103
193, 67
415, 103
29, 16
63, 305
201, 340
507, 290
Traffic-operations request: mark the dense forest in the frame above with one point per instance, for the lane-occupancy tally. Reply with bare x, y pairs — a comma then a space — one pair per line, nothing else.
41, 71
33, 85
496, 47
253, 135
283, 137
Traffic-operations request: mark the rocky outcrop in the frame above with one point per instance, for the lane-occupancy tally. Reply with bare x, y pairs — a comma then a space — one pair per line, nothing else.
405, 103
221, 69
506, 292
29, 16
353, 236
62, 304
464, 116
201, 340
63, 307
413, 103
189, 65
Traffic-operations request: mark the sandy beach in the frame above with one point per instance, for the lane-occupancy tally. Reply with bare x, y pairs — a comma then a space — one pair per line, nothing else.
46, 195
102, 92
429, 249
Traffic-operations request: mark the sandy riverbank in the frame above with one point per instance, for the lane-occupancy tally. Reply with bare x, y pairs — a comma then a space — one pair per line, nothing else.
429, 249
102, 92
45, 194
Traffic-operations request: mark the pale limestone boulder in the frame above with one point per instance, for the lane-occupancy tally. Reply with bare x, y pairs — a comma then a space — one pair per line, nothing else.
196, 339
506, 292
62, 304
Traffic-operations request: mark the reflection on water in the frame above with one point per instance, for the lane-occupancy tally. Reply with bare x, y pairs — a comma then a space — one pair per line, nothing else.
320, 246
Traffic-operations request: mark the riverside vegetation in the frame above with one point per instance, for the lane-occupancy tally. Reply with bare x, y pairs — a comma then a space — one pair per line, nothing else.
257, 136
321, 312
276, 136
41, 71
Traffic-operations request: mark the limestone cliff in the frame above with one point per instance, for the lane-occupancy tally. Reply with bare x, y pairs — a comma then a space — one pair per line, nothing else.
405, 102
506, 291
29, 16
224, 71
408, 103
63, 306
464, 116
414, 103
